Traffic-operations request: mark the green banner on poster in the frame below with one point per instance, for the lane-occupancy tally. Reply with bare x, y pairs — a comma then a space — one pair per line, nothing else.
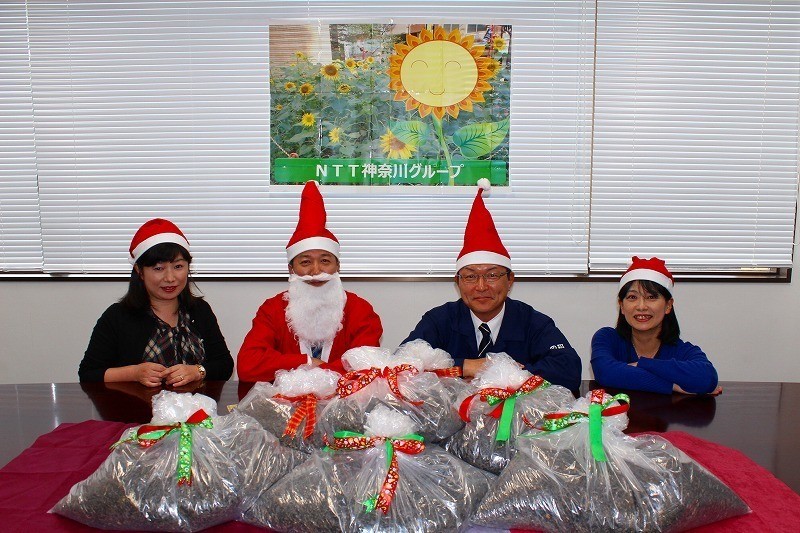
292, 171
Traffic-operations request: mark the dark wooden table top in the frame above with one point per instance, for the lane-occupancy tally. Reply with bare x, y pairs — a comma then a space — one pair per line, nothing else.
758, 419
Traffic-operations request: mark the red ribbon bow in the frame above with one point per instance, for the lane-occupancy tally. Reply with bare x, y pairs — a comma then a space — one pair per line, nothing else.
306, 410
356, 380
411, 444
494, 395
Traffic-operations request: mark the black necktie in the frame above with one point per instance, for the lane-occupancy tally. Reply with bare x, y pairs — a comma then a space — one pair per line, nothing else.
486, 341
316, 352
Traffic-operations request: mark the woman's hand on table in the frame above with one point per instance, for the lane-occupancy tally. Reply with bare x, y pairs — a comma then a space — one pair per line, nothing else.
717, 391
180, 375
149, 374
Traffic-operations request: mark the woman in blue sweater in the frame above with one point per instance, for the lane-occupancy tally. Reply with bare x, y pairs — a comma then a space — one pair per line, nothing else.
645, 352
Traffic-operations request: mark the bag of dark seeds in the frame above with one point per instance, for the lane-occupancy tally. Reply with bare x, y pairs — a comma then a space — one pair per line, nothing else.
376, 377
290, 407
386, 479
185, 471
501, 398
581, 473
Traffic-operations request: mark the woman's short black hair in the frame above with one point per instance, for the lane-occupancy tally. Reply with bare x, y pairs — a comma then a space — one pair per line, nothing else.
670, 330
137, 297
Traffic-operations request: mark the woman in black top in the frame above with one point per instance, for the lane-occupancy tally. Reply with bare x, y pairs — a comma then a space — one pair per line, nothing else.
159, 332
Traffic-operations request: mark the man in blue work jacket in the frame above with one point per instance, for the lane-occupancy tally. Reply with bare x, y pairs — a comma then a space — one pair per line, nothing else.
485, 320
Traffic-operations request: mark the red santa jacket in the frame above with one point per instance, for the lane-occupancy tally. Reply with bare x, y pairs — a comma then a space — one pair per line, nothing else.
270, 345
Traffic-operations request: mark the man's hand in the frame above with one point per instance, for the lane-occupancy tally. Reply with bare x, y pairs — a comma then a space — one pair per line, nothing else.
472, 367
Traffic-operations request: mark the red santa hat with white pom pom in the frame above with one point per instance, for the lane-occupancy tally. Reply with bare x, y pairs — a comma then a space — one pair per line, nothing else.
311, 233
482, 244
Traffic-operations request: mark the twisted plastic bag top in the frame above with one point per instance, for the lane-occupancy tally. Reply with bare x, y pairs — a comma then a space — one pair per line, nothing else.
171, 407
306, 380
365, 357
383, 421
500, 370
431, 358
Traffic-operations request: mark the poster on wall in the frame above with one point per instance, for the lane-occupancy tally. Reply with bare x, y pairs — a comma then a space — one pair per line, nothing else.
387, 104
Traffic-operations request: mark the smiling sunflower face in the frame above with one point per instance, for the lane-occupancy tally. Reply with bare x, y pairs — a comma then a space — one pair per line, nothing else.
439, 72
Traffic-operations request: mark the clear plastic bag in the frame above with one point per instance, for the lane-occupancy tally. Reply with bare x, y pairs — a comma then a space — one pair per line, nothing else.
558, 480
165, 485
289, 407
481, 442
339, 490
376, 377
440, 363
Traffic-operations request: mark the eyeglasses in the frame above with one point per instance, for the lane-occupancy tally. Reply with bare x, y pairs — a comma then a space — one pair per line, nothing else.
490, 277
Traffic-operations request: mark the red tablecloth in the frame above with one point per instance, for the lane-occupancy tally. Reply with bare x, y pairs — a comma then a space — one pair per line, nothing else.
34, 481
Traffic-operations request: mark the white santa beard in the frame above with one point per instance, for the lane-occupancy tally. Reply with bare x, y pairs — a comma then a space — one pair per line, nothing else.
315, 313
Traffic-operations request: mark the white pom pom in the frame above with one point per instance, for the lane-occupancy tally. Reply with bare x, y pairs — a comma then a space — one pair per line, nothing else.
384, 421
484, 184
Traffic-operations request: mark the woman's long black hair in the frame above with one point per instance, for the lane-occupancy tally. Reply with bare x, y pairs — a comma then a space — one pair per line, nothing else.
137, 297
670, 330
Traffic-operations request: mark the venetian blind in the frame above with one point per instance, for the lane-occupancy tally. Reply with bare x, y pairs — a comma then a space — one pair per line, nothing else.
696, 133
161, 108
20, 233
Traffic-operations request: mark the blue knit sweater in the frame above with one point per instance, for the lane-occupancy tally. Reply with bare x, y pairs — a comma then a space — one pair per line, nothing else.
681, 363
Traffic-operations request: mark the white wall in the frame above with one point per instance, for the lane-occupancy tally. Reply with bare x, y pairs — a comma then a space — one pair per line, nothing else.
751, 331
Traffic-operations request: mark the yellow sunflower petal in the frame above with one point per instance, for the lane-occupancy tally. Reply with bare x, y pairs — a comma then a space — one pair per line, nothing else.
466, 104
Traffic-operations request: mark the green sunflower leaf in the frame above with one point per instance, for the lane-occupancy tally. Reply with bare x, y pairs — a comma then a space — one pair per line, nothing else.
410, 132
477, 140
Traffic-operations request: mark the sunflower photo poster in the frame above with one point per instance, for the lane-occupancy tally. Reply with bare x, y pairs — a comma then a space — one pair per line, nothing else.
386, 104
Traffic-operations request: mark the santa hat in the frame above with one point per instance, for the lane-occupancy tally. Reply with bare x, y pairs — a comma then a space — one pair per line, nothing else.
154, 232
311, 233
653, 269
482, 244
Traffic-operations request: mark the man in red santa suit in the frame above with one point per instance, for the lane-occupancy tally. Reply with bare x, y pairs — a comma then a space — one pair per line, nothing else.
315, 321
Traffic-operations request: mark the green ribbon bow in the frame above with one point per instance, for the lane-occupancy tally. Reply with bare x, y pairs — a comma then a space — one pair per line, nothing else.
595, 415
149, 434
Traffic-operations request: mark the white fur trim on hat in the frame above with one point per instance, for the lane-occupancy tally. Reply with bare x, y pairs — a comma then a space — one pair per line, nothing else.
649, 275
312, 243
483, 258
157, 239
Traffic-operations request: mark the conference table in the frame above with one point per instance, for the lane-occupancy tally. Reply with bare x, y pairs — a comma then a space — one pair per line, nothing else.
757, 419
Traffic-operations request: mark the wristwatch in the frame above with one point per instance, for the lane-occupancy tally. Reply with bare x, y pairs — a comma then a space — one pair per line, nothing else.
202, 371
